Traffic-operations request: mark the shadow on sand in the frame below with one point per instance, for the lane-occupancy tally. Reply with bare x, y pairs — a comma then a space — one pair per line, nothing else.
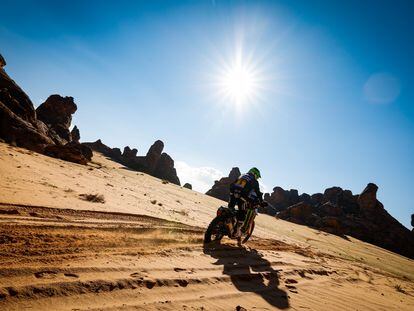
249, 272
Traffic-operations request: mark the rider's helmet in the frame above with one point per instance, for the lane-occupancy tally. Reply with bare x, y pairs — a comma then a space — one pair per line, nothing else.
255, 172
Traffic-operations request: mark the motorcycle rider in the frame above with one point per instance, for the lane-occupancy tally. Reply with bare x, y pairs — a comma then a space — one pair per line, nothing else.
243, 191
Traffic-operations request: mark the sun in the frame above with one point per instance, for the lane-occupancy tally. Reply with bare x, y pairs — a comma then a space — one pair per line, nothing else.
238, 83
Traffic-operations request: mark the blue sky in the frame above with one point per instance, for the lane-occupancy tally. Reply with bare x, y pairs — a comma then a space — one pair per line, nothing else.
334, 102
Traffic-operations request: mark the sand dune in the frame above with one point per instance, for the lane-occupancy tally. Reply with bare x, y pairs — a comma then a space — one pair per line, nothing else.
142, 249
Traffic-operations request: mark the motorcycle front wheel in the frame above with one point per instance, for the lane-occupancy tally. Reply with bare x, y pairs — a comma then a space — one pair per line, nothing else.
249, 233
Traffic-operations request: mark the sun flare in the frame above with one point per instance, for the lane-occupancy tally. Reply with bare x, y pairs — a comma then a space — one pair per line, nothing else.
238, 83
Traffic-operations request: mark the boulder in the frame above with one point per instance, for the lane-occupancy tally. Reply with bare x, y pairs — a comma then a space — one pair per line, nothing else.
188, 186
221, 188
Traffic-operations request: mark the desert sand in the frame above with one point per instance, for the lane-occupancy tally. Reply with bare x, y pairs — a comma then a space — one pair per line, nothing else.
141, 249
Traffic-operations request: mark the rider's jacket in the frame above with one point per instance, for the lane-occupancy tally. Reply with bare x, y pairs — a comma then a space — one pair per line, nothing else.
246, 187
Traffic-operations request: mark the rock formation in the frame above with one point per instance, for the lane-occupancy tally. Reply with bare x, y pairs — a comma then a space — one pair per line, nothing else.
188, 186
336, 211
221, 188
56, 112
75, 133
48, 134
156, 163
362, 216
412, 221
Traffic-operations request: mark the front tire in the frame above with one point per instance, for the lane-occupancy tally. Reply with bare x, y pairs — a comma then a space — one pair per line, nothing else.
212, 233
249, 234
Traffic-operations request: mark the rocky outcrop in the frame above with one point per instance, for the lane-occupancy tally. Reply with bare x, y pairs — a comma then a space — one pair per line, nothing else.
164, 169
362, 216
221, 188
156, 163
281, 199
49, 133
56, 112
67, 153
153, 156
188, 186
75, 134
412, 220
2, 61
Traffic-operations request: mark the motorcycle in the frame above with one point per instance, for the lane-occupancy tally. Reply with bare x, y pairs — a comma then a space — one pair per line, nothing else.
225, 224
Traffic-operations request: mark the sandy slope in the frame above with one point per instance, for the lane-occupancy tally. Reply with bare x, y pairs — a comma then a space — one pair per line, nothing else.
59, 252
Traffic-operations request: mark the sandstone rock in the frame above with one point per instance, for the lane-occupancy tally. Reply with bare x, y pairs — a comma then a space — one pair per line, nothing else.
299, 213
116, 154
15, 99
332, 194
75, 134
234, 173
56, 112
278, 196
304, 197
129, 153
332, 225
2, 61
338, 211
188, 186
221, 188
98, 146
157, 164
165, 169
17, 131
67, 153
317, 198
368, 198
153, 156
330, 210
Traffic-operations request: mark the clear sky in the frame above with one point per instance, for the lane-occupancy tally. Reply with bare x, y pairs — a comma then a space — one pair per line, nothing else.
326, 99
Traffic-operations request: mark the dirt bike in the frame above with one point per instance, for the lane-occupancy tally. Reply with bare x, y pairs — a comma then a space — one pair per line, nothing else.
225, 223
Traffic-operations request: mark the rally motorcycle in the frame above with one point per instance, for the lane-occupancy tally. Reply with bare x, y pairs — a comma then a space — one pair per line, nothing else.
225, 223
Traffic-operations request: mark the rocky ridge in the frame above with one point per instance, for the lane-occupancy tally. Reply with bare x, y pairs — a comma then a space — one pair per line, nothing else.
337, 211
156, 162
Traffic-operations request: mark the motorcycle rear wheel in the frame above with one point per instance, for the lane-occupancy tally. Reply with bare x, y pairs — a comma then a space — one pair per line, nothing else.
213, 233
